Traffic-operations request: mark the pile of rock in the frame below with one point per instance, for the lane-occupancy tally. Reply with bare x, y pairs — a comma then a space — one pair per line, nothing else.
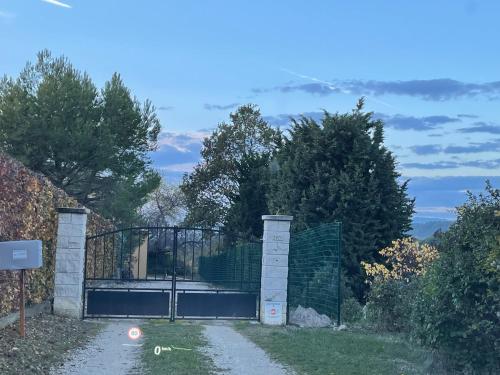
308, 317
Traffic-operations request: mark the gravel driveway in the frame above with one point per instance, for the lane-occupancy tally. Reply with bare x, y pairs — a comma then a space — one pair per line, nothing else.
110, 352
234, 354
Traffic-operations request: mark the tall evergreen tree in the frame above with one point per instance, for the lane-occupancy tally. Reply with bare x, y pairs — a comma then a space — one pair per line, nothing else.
340, 170
92, 144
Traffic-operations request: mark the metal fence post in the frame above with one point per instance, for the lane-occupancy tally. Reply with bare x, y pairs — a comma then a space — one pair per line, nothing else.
339, 263
174, 274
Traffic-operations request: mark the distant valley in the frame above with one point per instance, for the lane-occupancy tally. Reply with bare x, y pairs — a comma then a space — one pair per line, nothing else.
424, 227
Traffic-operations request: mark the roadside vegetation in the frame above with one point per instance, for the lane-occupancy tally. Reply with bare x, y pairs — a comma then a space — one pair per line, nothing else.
183, 343
445, 296
48, 339
320, 351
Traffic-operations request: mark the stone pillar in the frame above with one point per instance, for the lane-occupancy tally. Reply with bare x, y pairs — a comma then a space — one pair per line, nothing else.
70, 260
274, 279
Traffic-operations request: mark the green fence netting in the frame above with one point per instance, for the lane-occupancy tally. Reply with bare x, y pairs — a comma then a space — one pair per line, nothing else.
235, 266
314, 269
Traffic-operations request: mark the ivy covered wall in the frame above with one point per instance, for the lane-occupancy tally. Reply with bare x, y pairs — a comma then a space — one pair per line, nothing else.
28, 211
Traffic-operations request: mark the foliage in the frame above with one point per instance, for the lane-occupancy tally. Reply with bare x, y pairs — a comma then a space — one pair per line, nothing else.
457, 307
28, 210
394, 283
390, 305
93, 144
245, 213
352, 311
165, 205
340, 170
228, 180
404, 259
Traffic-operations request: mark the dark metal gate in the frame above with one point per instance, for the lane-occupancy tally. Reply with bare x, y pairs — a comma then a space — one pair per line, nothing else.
171, 272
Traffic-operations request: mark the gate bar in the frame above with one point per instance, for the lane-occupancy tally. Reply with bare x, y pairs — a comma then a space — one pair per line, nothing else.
174, 276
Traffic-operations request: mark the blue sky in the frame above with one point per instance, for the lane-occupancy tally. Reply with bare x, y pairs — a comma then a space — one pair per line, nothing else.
428, 68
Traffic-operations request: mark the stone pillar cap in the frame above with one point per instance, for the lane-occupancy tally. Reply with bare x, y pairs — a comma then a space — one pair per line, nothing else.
277, 217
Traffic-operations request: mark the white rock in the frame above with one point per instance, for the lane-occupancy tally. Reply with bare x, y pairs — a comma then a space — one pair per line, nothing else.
341, 327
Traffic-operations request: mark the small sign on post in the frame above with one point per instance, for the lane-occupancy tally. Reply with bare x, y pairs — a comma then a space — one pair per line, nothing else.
21, 255
273, 312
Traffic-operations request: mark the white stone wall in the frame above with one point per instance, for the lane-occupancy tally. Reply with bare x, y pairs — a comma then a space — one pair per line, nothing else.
274, 279
70, 254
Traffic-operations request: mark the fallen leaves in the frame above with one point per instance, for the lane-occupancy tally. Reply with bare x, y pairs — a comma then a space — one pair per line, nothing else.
48, 338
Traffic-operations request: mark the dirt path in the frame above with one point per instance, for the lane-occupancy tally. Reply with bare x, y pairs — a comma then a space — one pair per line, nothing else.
234, 354
110, 352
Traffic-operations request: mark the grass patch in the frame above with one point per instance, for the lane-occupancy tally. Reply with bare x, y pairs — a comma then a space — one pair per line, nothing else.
323, 351
176, 361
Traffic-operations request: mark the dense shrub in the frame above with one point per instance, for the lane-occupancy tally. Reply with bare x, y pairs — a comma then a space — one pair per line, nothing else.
352, 311
390, 304
457, 310
394, 283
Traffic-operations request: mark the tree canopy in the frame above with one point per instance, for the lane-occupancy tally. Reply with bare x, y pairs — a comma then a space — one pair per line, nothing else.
339, 170
165, 205
92, 143
228, 187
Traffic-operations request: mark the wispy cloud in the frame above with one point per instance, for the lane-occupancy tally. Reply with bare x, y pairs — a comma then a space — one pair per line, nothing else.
325, 87
486, 164
220, 107
57, 3
482, 127
492, 146
181, 167
284, 119
472, 148
426, 149
403, 122
165, 108
397, 121
431, 89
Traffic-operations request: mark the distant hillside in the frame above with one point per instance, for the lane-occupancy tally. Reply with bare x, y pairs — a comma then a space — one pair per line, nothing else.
424, 229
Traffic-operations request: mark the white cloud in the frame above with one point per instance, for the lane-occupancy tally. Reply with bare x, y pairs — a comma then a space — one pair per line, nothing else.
181, 167
181, 141
57, 3
435, 210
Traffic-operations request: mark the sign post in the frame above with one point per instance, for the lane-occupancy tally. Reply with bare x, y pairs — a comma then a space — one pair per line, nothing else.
21, 255
21, 304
